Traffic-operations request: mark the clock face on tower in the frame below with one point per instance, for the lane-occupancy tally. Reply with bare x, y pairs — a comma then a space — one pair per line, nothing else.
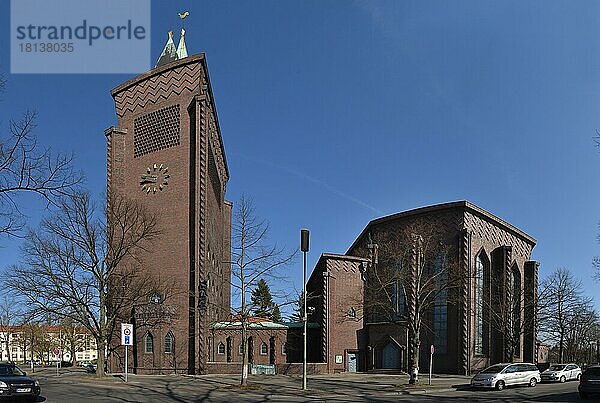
155, 179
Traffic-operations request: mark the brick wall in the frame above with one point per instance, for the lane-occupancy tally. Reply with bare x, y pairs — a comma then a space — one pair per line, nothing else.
274, 340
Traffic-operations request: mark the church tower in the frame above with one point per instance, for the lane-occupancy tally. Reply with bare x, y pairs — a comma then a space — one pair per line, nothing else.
167, 154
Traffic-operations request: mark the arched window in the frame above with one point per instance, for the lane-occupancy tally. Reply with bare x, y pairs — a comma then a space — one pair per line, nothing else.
149, 343
264, 349
481, 301
352, 312
398, 294
169, 343
221, 348
241, 349
479, 288
516, 308
440, 306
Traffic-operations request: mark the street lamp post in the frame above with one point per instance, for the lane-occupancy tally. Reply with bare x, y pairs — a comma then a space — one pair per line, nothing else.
304, 234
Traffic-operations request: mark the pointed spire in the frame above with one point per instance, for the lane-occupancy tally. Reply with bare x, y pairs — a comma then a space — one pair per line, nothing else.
181, 49
169, 52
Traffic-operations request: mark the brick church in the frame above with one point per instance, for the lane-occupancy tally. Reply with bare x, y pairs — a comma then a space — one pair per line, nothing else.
486, 317
166, 153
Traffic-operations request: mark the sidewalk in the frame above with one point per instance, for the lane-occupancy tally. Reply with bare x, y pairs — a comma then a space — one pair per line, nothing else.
439, 383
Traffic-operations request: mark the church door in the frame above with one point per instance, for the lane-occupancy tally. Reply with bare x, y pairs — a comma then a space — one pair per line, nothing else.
391, 357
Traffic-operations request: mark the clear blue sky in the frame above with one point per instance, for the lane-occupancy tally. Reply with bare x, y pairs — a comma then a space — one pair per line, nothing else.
337, 112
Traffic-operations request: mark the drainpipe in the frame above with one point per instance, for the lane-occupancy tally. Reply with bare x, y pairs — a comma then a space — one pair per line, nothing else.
328, 358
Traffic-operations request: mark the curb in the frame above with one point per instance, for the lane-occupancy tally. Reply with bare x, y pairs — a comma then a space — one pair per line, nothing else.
426, 391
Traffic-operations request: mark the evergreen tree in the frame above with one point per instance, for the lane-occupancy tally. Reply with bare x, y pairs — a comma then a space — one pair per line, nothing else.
298, 315
262, 300
276, 314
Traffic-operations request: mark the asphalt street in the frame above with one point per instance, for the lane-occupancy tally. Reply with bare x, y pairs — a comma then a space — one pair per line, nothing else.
75, 386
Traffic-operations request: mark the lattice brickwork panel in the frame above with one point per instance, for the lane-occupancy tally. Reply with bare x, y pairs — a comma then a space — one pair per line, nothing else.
156, 131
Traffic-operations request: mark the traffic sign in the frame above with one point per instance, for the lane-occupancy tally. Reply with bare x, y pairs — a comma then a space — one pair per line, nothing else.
126, 334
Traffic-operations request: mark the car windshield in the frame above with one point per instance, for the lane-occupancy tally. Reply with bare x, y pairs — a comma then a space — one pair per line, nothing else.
10, 370
557, 368
494, 369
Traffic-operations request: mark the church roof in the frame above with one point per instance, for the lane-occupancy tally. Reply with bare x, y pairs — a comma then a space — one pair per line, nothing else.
463, 204
253, 323
181, 49
169, 53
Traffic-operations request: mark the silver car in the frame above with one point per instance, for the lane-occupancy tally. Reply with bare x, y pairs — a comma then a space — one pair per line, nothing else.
561, 373
501, 375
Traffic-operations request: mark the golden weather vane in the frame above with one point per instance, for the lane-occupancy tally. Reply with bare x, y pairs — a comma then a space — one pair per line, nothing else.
182, 16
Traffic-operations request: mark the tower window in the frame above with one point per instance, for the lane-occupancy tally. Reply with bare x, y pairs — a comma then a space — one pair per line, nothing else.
221, 348
264, 349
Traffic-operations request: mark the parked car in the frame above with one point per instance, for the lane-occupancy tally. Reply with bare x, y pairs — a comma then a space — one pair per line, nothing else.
83, 363
501, 375
561, 373
589, 383
14, 382
91, 368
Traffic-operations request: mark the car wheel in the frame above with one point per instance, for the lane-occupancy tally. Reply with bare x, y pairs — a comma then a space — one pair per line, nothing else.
532, 382
562, 379
578, 376
499, 385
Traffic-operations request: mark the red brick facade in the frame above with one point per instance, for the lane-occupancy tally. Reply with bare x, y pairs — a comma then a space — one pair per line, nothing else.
471, 233
266, 343
335, 304
167, 153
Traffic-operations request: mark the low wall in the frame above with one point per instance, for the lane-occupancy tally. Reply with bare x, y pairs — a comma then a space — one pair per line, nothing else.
223, 368
282, 369
295, 368
157, 371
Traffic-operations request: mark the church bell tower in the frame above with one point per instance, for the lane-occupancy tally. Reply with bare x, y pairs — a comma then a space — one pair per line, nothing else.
166, 153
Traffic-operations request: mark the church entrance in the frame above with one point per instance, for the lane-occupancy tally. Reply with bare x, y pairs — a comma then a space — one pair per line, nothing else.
390, 358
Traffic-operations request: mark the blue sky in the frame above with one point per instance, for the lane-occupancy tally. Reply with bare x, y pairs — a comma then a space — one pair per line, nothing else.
334, 113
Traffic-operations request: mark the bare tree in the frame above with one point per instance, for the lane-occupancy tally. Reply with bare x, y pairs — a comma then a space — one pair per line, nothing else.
252, 258
582, 331
411, 277
27, 167
78, 264
70, 338
565, 300
504, 310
